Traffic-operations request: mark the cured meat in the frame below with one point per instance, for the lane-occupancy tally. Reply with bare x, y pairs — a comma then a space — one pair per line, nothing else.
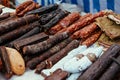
17, 32
98, 67
69, 19
15, 23
53, 21
65, 22
85, 16
45, 18
85, 32
80, 24
92, 39
55, 58
58, 75
80, 19
30, 40
35, 61
6, 62
12, 17
42, 46
63, 30
111, 71
28, 34
26, 8
23, 6
4, 16
44, 9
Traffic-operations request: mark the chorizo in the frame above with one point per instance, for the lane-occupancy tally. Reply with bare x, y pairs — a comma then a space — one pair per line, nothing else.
65, 22
92, 39
85, 32
23, 6
80, 24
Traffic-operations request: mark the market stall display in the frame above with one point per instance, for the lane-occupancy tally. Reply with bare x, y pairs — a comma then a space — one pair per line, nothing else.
58, 44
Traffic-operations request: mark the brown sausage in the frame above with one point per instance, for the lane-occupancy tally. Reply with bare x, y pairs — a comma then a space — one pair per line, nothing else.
35, 61
4, 16
0, 10
93, 38
17, 22
17, 32
57, 75
55, 58
85, 32
23, 6
42, 46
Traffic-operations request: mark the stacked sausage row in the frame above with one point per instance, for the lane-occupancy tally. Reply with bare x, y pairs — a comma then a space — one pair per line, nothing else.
82, 28
45, 35
19, 32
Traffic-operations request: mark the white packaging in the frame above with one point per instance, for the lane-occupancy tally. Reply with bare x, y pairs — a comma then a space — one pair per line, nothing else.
60, 64
76, 65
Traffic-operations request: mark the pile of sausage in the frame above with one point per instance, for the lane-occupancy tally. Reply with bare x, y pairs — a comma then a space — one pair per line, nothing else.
79, 27
44, 35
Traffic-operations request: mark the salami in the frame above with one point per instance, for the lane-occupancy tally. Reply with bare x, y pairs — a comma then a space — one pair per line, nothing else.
65, 22
23, 6
85, 32
92, 39
80, 19
27, 8
85, 16
80, 24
